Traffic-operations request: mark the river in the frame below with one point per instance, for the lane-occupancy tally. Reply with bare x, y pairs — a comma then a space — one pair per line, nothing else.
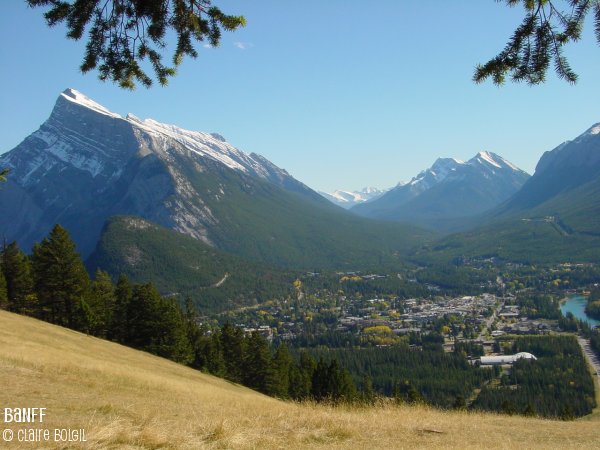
576, 306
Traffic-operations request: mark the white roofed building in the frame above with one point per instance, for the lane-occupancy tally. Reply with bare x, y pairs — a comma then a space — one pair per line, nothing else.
505, 359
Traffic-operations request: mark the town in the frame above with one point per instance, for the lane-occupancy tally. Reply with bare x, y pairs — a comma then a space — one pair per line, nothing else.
501, 305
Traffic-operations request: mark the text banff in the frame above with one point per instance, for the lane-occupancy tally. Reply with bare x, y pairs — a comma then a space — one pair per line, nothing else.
24, 415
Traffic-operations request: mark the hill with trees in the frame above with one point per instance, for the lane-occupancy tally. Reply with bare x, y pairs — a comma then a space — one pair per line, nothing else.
181, 266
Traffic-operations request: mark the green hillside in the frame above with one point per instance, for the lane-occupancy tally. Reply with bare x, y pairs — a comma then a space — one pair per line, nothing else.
182, 266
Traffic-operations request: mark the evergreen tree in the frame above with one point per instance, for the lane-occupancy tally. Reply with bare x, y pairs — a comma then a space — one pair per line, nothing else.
257, 363
232, 345
3, 294
119, 327
367, 394
101, 302
331, 382
529, 410
156, 325
397, 394
341, 386
214, 354
61, 281
278, 378
195, 335
172, 340
412, 395
19, 283
460, 403
320, 389
301, 377
142, 317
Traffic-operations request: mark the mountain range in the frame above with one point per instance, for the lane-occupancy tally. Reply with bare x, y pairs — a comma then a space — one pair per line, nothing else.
187, 210
86, 164
450, 193
554, 217
348, 199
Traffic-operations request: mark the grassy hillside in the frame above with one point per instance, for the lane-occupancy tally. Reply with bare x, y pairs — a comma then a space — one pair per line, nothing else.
182, 266
131, 400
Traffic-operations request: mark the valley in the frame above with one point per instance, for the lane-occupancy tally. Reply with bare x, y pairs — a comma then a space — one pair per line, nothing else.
299, 225
175, 243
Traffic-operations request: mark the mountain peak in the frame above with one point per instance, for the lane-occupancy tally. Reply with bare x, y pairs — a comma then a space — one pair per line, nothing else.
348, 199
595, 129
592, 131
491, 159
440, 169
78, 98
446, 163
486, 157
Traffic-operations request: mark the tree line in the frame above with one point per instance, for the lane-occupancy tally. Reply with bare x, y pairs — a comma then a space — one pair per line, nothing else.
407, 374
53, 285
557, 385
592, 307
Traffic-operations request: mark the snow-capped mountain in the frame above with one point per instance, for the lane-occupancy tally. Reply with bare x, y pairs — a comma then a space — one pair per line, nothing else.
449, 190
87, 158
553, 218
73, 135
86, 164
348, 199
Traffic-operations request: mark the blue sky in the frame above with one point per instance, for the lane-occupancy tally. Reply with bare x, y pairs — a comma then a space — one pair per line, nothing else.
341, 93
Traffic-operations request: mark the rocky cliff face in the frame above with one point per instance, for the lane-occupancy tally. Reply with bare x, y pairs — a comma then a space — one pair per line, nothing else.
567, 167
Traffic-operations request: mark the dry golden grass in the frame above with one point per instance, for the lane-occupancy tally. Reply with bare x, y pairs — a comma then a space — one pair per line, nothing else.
126, 399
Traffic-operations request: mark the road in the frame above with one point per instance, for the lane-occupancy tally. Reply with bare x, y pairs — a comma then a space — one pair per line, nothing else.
591, 357
222, 280
489, 321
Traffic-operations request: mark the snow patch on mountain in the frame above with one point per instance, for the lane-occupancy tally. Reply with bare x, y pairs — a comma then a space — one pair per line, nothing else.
495, 161
595, 129
77, 97
485, 156
438, 172
201, 143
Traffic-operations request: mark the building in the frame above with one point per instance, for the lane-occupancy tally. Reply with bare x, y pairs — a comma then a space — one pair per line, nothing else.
505, 359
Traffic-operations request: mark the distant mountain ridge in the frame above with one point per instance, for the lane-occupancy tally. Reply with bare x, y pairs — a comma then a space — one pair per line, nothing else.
348, 199
86, 164
449, 193
554, 217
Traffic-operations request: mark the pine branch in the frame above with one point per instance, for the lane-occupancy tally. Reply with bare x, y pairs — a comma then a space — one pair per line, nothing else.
539, 42
124, 33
